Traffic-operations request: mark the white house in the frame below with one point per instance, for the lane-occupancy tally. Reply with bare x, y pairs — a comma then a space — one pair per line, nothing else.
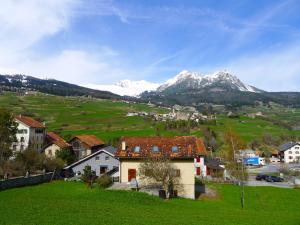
102, 161
30, 133
290, 152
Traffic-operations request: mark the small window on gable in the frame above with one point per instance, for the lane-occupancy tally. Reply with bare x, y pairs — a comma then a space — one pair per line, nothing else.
155, 149
97, 158
106, 158
175, 149
137, 149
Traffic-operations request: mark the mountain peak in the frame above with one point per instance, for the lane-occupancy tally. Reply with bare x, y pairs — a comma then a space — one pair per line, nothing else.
194, 80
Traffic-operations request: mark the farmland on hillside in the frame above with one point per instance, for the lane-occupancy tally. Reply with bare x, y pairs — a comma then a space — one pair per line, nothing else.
107, 119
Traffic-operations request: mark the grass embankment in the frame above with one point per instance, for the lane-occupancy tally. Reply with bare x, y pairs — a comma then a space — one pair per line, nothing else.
73, 203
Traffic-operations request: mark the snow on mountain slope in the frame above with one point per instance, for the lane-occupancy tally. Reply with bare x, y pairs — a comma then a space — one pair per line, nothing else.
196, 80
127, 87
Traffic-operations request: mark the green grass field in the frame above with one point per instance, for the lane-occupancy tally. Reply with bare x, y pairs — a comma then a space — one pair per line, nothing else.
107, 119
73, 203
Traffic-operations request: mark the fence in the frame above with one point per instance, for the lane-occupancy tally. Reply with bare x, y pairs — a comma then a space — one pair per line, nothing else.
25, 181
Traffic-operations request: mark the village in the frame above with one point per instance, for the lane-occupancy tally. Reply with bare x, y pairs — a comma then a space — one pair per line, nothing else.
186, 155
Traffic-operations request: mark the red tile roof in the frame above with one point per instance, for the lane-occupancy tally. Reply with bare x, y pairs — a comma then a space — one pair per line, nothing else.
29, 121
55, 139
89, 140
188, 147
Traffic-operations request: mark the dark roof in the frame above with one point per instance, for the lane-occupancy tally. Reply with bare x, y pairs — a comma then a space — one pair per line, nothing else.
188, 147
109, 149
287, 146
53, 138
89, 140
214, 164
29, 121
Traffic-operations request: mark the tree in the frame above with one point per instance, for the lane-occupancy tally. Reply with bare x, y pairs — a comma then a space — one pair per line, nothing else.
160, 171
88, 176
234, 144
66, 155
8, 130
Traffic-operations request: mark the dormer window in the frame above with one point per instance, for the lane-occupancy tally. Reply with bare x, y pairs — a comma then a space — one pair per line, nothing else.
175, 149
137, 149
155, 149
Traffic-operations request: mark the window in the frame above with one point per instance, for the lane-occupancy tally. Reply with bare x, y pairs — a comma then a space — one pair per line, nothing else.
297, 148
97, 158
22, 147
198, 171
22, 131
174, 149
155, 149
198, 159
137, 149
50, 152
297, 152
39, 131
106, 158
76, 145
290, 157
290, 152
22, 139
14, 147
177, 173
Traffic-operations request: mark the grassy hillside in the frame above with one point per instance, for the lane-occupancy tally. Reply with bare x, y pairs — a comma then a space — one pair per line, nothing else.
107, 119
73, 203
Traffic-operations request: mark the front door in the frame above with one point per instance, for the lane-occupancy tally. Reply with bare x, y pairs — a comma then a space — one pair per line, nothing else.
103, 169
131, 174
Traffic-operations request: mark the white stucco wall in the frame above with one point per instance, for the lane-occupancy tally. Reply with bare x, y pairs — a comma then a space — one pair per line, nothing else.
51, 150
292, 155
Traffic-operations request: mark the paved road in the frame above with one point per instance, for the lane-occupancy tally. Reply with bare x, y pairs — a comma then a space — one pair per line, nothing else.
270, 168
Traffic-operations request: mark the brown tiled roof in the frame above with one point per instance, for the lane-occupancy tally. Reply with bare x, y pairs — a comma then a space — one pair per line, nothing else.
59, 141
188, 147
29, 121
90, 140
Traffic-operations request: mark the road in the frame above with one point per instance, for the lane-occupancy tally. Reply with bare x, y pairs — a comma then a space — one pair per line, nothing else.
267, 169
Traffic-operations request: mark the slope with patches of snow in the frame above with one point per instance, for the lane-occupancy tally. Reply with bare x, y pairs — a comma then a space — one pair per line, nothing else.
194, 80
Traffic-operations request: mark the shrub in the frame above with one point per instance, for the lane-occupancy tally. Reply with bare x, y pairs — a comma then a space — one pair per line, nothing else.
104, 181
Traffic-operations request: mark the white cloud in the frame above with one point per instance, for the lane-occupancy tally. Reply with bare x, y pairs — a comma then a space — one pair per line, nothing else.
23, 23
273, 70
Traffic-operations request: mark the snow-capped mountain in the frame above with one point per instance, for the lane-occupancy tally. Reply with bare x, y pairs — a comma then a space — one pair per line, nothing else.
218, 81
127, 87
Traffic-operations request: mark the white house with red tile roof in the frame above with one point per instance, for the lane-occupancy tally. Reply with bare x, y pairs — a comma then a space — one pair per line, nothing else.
30, 133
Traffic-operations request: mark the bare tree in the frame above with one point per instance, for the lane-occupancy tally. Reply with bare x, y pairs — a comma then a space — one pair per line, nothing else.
160, 171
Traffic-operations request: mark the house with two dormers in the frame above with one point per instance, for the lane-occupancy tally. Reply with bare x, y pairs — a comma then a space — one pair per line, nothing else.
186, 153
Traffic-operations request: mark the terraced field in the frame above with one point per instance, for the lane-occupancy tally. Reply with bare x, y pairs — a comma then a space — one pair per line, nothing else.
107, 119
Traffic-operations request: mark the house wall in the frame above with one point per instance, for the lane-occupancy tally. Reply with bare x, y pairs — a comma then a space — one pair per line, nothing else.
31, 136
292, 155
187, 177
51, 150
110, 162
81, 150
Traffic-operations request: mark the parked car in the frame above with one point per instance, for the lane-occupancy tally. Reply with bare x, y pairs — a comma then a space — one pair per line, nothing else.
261, 177
274, 179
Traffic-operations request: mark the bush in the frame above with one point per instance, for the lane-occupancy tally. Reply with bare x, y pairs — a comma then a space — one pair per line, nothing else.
104, 181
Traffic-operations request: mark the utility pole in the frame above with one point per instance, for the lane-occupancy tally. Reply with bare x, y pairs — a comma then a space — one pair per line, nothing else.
243, 185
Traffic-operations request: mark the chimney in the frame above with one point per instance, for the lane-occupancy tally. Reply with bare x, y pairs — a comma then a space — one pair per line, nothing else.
123, 146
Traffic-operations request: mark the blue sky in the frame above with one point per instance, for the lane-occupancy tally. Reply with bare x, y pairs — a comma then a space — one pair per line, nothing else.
101, 42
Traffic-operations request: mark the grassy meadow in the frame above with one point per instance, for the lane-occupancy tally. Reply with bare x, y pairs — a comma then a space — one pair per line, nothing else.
107, 119
73, 203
